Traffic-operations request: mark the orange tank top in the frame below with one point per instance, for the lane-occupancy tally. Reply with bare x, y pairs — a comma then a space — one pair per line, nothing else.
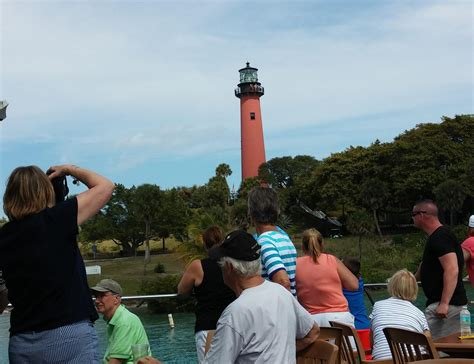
318, 286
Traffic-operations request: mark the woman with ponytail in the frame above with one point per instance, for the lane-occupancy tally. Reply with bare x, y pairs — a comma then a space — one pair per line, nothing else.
320, 278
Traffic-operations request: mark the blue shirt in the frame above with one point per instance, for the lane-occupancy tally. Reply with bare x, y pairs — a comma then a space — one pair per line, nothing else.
278, 252
355, 299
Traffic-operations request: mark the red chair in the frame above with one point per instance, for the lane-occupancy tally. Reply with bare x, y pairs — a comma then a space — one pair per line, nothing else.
364, 336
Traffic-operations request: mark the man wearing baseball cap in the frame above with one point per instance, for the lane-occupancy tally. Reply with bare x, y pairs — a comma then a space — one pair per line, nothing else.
124, 328
468, 249
265, 324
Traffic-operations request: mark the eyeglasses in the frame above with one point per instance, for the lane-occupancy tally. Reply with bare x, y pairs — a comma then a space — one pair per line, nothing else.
101, 295
415, 213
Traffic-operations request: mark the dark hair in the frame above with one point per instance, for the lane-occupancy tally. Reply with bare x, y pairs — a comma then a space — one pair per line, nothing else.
263, 205
429, 206
212, 236
353, 264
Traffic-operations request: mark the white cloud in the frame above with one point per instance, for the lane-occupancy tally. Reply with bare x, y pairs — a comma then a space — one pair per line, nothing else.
131, 81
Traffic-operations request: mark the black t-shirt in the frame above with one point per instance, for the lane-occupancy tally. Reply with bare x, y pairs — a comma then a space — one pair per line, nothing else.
441, 242
2, 282
212, 295
44, 270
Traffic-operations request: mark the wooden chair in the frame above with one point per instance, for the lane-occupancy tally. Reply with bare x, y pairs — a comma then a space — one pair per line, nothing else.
408, 346
319, 352
350, 338
210, 335
332, 335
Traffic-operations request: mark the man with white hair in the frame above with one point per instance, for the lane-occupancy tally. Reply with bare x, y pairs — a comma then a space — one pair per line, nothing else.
468, 249
440, 271
265, 324
124, 328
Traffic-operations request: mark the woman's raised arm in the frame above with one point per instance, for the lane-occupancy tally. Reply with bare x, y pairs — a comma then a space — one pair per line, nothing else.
91, 201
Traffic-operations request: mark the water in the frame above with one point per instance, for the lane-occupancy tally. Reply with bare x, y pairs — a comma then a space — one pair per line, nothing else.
171, 346
176, 346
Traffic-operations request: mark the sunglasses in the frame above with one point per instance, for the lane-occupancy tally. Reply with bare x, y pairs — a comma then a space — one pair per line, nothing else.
415, 213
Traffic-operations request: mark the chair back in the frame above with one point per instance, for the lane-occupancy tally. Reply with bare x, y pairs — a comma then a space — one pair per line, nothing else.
332, 335
210, 335
319, 352
349, 339
407, 346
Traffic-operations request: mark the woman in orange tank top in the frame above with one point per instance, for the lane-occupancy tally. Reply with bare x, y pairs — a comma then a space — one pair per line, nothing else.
320, 278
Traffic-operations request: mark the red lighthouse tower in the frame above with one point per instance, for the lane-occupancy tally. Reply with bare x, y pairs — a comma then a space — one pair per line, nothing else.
249, 91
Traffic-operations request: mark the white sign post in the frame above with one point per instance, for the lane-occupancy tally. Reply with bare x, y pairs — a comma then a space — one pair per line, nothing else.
93, 269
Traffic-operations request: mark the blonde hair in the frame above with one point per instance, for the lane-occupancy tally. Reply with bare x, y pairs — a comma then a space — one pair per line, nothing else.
403, 285
28, 191
312, 242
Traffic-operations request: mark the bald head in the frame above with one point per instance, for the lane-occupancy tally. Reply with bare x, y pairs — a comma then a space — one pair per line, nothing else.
425, 216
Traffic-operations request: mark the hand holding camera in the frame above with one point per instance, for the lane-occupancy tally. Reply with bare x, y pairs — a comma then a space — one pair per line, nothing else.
57, 176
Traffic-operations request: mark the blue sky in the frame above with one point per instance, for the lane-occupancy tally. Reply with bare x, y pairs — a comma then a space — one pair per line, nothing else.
142, 92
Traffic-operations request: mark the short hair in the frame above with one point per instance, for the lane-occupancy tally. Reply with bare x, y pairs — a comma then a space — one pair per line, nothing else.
28, 191
243, 268
312, 243
353, 264
429, 206
403, 285
263, 205
212, 236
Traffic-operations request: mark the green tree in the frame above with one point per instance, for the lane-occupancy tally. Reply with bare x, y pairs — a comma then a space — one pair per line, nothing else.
146, 206
281, 172
223, 170
172, 217
121, 223
374, 196
361, 224
450, 195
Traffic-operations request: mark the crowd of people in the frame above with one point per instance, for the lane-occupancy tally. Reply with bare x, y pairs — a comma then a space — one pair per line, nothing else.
263, 302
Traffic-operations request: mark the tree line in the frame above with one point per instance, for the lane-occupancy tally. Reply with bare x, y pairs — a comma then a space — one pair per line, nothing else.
365, 188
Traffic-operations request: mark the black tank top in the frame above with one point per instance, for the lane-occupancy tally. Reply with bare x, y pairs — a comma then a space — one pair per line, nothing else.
212, 295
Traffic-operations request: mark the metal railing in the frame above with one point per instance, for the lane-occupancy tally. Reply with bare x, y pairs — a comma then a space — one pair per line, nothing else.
174, 295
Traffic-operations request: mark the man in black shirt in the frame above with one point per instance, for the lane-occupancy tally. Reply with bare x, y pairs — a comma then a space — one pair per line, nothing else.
440, 271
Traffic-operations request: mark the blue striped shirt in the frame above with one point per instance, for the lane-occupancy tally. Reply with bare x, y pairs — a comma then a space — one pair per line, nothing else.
278, 252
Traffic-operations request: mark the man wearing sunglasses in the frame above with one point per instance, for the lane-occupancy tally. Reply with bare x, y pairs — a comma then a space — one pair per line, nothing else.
440, 271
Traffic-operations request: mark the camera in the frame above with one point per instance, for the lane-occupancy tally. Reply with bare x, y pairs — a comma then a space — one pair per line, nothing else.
60, 187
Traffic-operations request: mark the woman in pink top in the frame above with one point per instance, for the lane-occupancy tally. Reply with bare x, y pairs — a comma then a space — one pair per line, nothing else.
320, 278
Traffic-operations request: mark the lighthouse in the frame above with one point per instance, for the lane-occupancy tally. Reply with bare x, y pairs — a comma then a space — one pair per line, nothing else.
249, 91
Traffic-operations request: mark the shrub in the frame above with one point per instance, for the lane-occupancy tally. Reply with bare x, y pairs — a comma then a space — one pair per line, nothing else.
161, 285
159, 268
460, 231
397, 239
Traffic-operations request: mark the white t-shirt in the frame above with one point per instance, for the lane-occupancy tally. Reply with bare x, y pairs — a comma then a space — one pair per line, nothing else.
260, 326
393, 312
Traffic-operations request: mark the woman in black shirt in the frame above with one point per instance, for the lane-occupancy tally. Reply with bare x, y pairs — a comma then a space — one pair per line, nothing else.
204, 277
53, 313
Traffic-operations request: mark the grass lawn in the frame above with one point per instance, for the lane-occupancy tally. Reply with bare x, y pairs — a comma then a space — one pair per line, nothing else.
379, 259
129, 272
